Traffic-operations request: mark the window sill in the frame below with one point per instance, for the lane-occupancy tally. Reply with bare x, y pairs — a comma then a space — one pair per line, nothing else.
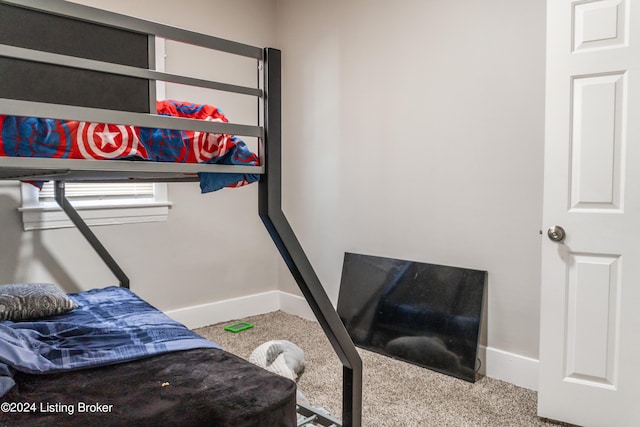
51, 216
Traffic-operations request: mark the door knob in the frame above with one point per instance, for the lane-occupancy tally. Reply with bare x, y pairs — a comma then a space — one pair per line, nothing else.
556, 233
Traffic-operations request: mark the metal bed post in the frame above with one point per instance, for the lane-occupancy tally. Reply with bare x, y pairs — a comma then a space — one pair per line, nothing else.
82, 226
270, 211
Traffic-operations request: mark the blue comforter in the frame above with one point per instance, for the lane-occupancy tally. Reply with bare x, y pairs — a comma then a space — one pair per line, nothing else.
110, 325
69, 139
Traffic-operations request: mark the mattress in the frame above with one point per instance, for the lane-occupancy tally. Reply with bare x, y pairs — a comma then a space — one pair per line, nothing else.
188, 388
116, 360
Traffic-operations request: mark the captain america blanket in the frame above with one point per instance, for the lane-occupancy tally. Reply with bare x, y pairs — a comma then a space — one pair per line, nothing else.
37, 137
110, 325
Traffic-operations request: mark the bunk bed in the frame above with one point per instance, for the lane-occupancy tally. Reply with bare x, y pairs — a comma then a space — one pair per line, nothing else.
46, 78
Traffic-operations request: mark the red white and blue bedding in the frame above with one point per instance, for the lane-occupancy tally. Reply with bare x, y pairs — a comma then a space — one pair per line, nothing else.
37, 137
110, 325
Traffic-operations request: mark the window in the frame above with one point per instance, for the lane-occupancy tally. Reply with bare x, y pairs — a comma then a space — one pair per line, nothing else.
98, 204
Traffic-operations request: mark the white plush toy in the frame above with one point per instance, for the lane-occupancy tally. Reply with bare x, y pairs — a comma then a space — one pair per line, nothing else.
279, 356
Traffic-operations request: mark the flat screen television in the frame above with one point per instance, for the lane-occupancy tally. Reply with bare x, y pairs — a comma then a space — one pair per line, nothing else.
425, 314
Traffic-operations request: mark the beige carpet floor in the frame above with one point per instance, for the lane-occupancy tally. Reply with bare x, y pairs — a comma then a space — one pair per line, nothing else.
395, 394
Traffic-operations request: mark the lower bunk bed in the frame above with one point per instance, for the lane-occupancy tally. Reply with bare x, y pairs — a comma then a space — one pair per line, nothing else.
111, 359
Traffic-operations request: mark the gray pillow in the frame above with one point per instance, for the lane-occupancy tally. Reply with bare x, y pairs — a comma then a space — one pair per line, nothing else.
33, 300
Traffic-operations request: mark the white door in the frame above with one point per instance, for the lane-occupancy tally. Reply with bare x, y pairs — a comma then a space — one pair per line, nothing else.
590, 307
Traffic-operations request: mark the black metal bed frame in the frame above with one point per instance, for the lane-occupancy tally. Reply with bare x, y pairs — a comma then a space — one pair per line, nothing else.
270, 152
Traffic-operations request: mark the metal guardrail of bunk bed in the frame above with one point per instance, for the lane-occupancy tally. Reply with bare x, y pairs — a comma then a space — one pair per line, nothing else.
269, 134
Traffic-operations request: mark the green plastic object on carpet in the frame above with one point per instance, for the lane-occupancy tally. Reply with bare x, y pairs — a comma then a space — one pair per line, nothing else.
238, 327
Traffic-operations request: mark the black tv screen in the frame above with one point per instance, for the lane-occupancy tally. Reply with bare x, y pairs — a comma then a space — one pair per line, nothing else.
425, 314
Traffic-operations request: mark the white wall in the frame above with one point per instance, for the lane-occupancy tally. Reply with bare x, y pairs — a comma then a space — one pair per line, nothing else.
414, 130
213, 246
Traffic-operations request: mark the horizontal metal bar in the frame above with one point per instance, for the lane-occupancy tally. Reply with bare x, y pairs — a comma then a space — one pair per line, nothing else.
15, 107
88, 169
103, 17
124, 70
323, 418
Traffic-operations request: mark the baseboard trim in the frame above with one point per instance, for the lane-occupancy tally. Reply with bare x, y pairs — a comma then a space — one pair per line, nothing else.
295, 304
502, 365
232, 309
510, 367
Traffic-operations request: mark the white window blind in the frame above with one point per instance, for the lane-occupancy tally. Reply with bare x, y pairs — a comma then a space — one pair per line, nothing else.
101, 191
97, 203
